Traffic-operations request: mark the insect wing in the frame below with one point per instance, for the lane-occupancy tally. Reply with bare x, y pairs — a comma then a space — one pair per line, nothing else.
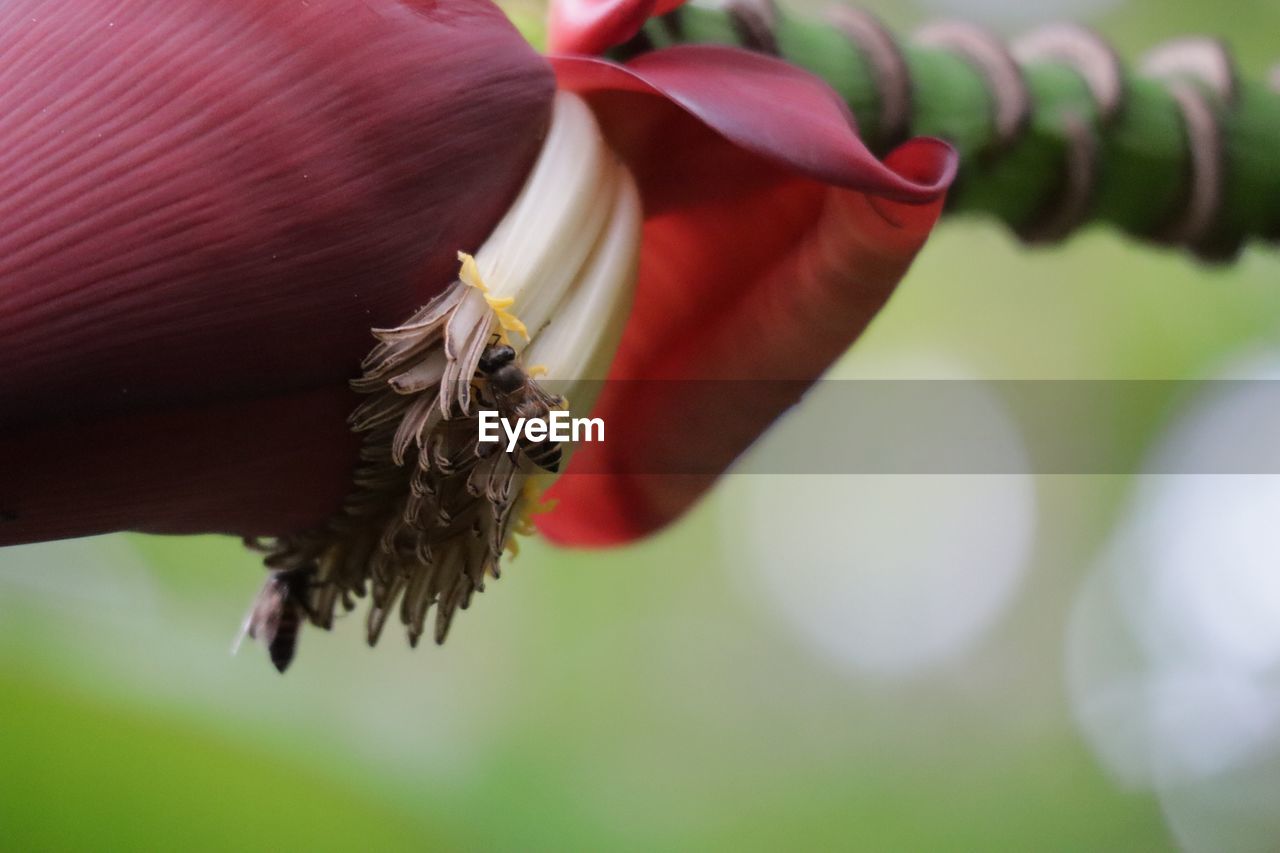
262, 622
537, 402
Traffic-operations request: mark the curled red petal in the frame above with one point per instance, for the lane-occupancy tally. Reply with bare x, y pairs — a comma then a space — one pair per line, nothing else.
771, 284
594, 26
784, 114
772, 237
210, 200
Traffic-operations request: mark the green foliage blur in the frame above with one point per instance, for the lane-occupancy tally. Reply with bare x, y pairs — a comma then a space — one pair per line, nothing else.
651, 697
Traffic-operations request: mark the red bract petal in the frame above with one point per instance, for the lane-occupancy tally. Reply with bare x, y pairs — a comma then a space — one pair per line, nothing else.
205, 200
594, 26
248, 467
204, 207
749, 271
760, 104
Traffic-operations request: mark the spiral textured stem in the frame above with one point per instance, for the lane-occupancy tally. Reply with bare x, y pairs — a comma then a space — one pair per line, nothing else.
1054, 130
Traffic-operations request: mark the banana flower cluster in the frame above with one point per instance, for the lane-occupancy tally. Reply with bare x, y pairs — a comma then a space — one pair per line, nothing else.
206, 209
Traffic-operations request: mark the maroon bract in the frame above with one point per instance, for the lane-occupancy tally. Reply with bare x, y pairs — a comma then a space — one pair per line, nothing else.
204, 209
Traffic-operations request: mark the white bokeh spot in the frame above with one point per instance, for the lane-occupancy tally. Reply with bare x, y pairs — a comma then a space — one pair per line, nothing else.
1174, 644
889, 574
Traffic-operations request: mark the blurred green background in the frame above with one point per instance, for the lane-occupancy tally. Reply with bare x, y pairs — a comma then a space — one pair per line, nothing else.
824, 662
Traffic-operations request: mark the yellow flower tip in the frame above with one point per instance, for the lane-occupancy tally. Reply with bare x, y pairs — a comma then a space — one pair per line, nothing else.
469, 273
511, 323
544, 506
531, 503
512, 547
536, 370
534, 502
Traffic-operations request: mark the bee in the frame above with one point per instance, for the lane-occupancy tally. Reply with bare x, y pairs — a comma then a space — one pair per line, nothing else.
278, 612
517, 396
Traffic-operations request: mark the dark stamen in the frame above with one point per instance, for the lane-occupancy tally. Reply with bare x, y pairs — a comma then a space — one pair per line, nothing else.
1086, 53
888, 67
1071, 205
754, 22
1011, 103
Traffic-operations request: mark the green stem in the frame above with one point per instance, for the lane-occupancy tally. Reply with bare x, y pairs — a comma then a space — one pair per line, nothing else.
1143, 150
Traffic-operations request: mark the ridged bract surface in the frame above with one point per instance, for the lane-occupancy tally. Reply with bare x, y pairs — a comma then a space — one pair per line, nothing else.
208, 200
